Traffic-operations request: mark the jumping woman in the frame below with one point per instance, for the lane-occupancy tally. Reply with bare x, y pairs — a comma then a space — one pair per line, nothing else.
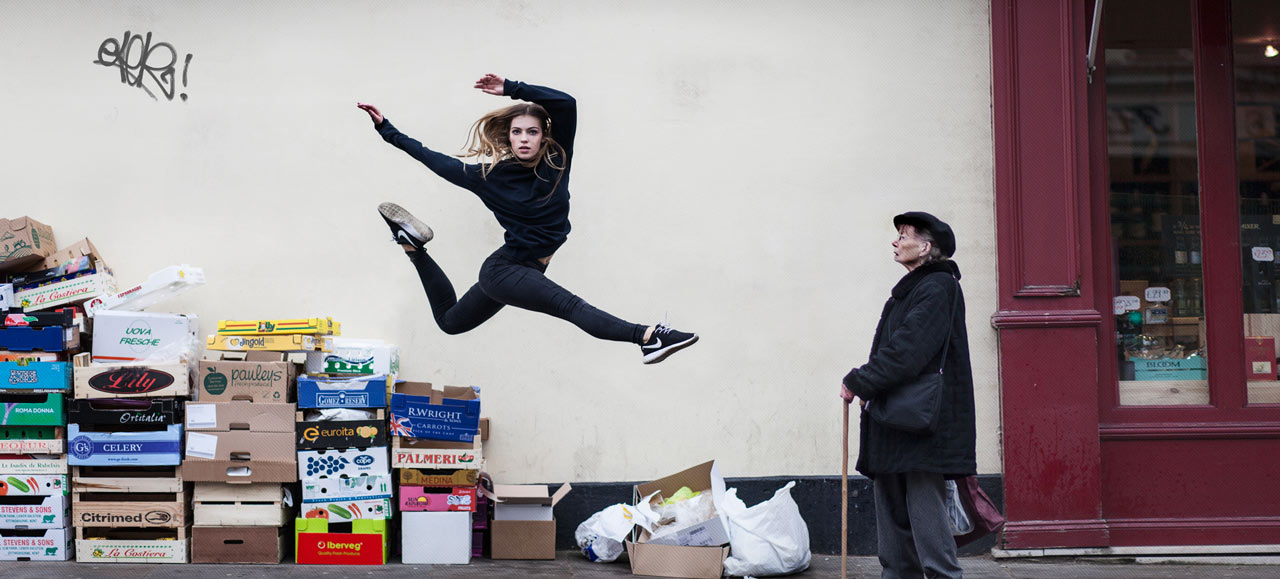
525, 154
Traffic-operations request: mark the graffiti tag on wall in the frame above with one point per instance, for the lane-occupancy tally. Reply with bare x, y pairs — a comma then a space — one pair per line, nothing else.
142, 62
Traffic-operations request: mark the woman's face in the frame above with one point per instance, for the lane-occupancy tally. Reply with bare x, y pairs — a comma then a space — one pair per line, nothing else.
909, 249
525, 135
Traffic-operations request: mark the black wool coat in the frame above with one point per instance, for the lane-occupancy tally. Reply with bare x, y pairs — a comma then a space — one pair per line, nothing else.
908, 343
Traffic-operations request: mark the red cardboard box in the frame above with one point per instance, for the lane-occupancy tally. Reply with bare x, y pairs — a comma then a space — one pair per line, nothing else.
315, 545
1260, 358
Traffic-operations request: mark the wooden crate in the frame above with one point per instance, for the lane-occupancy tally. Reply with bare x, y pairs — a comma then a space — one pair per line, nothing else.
263, 545
134, 509
251, 505
127, 479
131, 545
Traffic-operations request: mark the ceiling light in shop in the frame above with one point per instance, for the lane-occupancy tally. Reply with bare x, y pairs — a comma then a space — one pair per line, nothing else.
1271, 51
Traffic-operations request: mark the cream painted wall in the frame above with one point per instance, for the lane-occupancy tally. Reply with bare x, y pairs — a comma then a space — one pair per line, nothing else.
738, 166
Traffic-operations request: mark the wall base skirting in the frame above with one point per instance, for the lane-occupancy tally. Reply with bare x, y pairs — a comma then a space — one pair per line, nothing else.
1260, 554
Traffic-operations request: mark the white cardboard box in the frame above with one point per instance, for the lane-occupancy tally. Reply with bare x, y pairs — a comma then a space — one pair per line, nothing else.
158, 287
352, 357
448, 534
6, 296
68, 292
134, 336
52, 545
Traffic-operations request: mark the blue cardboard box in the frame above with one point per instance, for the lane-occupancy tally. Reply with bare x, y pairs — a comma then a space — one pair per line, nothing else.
420, 411
27, 338
35, 377
361, 392
154, 448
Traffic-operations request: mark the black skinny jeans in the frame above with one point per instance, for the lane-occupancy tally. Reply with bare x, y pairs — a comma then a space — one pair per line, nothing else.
504, 281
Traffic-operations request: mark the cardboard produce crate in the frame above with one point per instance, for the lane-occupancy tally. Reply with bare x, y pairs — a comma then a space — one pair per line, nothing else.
142, 336
261, 545
256, 376
350, 462
27, 463
124, 545
33, 512
22, 376
24, 242
366, 544
696, 562
240, 505
351, 357
102, 448
339, 434
312, 326
416, 499
464, 477
158, 287
33, 410
342, 499
285, 343
125, 413
349, 392
35, 545
27, 338
77, 250
449, 413
6, 296
240, 442
128, 479
524, 526
435, 454
137, 510
32, 439
72, 291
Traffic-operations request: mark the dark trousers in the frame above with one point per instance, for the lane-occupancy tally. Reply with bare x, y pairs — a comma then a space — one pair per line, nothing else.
912, 530
506, 281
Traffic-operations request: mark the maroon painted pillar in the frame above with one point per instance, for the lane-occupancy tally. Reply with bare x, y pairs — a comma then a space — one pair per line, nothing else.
1048, 319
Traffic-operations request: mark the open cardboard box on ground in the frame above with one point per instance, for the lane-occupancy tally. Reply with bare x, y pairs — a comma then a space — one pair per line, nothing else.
24, 242
524, 526
256, 376
667, 560
240, 442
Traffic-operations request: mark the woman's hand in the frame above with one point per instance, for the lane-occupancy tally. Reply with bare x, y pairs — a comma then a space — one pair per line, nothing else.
846, 394
374, 114
491, 84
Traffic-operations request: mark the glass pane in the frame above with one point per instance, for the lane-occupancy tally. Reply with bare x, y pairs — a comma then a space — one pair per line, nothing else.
1256, 34
1155, 203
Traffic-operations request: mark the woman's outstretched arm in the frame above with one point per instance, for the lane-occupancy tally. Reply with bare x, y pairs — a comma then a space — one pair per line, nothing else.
451, 169
562, 107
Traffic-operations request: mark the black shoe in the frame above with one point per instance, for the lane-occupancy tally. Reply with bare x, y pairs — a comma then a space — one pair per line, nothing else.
405, 228
665, 342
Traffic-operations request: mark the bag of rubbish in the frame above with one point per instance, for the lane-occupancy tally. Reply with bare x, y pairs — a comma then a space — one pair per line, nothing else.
683, 510
600, 536
770, 538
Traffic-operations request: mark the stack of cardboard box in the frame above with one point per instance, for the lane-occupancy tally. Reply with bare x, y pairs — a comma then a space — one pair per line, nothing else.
125, 430
342, 463
437, 440
41, 327
245, 445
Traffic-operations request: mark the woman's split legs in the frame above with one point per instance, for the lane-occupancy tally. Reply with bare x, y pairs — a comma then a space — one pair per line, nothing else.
525, 285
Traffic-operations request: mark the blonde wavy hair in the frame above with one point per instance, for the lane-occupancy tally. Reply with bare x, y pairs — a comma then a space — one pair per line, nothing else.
489, 141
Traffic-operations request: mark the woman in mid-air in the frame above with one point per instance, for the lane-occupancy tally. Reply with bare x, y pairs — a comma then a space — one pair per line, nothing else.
525, 154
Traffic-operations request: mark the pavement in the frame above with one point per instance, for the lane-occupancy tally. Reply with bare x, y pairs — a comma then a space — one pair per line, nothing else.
572, 564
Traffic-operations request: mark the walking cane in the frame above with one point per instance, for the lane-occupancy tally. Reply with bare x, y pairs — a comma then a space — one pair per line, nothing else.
844, 497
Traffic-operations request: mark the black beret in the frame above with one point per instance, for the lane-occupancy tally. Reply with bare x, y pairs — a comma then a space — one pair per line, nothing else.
941, 232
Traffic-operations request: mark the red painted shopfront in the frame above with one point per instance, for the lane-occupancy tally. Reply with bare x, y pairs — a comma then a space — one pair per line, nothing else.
1138, 241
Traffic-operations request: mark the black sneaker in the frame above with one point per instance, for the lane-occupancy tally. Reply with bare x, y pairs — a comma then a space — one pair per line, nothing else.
665, 342
405, 228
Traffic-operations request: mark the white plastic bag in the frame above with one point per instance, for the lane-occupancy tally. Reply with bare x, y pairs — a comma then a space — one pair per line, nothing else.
960, 523
770, 538
600, 536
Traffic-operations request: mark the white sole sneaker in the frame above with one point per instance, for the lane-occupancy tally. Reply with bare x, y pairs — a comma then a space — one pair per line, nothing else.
399, 218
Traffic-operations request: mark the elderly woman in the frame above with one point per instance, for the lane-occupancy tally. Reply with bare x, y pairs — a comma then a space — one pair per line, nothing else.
910, 469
